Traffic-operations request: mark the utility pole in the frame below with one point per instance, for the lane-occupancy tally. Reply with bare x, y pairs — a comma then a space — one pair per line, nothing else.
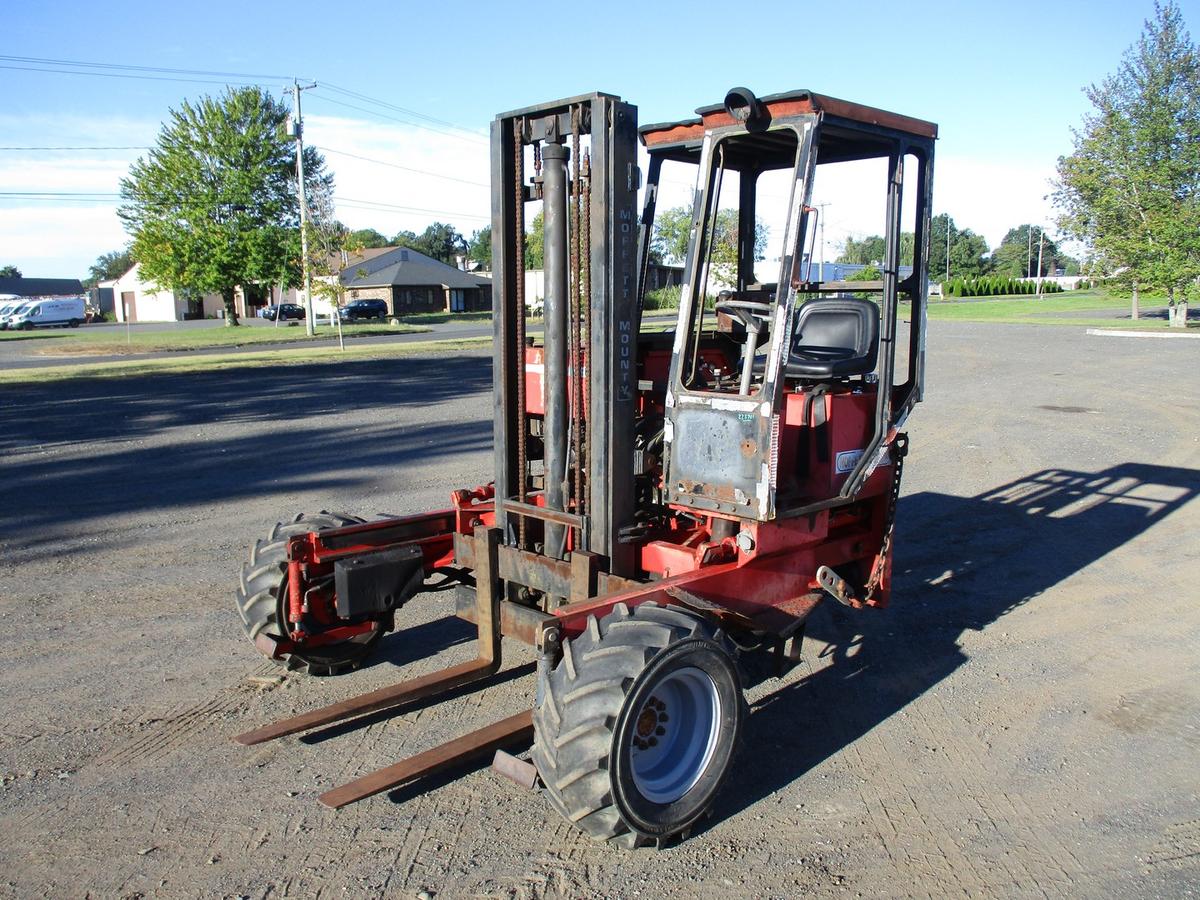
309, 324
822, 206
947, 251
1028, 249
1041, 238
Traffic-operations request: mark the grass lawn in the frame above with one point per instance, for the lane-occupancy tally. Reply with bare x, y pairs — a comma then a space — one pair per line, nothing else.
105, 341
440, 318
231, 361
1068, 308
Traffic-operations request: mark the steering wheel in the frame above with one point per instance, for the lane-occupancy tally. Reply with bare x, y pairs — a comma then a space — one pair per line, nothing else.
754, 314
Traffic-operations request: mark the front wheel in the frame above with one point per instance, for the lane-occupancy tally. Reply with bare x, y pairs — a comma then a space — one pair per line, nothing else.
636, 727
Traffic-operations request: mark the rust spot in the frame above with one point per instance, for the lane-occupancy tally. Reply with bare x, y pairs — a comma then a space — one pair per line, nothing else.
749, 447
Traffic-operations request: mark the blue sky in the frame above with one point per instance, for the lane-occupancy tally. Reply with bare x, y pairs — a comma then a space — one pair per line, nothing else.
1003, 81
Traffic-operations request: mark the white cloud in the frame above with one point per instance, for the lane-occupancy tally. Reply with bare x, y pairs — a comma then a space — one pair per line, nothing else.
429, 176
985, 196
58, 242
991, 197
415, 157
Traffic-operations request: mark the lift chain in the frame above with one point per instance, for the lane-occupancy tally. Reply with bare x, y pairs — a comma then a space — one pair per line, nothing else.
898, 450
519, 336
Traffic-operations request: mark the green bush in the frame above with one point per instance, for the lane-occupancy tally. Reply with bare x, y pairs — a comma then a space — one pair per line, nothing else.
663, 298
668, 298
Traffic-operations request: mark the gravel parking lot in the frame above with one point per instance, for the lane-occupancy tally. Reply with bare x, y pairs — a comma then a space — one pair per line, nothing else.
1024, 720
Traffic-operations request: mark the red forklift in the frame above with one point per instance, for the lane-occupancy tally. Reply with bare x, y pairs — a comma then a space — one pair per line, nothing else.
667, 507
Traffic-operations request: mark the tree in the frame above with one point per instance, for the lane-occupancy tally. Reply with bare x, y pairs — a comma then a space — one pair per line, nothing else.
672, 232
1130, 191
439, 241
10, 272
869, 251
109, 266
1017, 255
479, 247
968, 250
862, 253
213, 205
443, 242
368, 238
867, 273
535, 242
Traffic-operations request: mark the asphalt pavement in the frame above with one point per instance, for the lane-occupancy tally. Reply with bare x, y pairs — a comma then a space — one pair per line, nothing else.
1021, 721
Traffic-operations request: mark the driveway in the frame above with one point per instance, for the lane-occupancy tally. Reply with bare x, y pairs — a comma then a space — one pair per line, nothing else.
1021, 721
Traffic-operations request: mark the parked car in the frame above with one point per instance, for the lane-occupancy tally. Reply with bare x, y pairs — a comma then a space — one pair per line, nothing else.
285, 311
48, 314
359, 310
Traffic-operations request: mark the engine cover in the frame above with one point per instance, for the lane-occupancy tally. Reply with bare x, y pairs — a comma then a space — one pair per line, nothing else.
377, 582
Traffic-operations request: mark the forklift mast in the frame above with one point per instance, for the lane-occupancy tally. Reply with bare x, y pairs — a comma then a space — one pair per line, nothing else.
565, 478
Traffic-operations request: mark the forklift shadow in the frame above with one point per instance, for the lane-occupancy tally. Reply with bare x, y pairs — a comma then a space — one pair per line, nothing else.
962, 563
407, 645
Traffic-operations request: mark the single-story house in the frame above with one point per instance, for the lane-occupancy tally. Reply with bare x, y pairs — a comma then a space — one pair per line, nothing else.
37, 288
661, 275
136, 300
658, 275
409, 281
143, 301
412, 282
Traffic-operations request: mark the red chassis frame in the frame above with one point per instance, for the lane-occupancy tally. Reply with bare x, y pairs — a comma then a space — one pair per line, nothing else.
763, 581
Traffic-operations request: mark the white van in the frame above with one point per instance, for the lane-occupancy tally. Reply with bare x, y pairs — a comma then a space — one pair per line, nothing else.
45, 313
10, 309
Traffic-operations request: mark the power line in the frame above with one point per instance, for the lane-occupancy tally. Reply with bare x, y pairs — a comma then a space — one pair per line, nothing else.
161, 73
127, 75
371, 112
63, 194
131, 68
75, 148
411, 112
367, 204
354, 203
397, 166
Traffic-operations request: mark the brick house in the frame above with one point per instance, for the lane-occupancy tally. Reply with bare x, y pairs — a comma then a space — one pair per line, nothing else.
412, 282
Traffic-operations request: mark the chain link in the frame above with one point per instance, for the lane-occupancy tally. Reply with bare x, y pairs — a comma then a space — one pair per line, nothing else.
898, 451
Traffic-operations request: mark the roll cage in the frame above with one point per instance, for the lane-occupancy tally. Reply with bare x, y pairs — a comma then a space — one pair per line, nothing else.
738, 411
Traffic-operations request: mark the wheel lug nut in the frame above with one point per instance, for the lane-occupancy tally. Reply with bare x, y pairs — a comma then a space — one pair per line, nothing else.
663, 717
660, 731
653, 742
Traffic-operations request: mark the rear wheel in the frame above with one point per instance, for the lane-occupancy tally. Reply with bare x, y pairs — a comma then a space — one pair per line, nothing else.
262, 594
637, 725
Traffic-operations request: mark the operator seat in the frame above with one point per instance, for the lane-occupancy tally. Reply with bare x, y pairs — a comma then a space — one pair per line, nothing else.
834, 337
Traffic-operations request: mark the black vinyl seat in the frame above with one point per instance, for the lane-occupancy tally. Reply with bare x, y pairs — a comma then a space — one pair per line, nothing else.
834, 337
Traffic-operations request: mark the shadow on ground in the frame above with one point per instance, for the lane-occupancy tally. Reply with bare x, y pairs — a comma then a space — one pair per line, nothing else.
962, 564
122, 473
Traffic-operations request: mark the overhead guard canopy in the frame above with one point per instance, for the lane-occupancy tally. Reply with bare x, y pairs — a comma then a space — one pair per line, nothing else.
681, 140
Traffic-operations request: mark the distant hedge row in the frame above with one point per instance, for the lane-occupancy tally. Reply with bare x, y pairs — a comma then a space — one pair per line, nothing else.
994, 286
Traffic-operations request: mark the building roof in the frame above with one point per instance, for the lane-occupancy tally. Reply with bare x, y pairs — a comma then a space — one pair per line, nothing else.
41, 287
404, 267
354, 259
